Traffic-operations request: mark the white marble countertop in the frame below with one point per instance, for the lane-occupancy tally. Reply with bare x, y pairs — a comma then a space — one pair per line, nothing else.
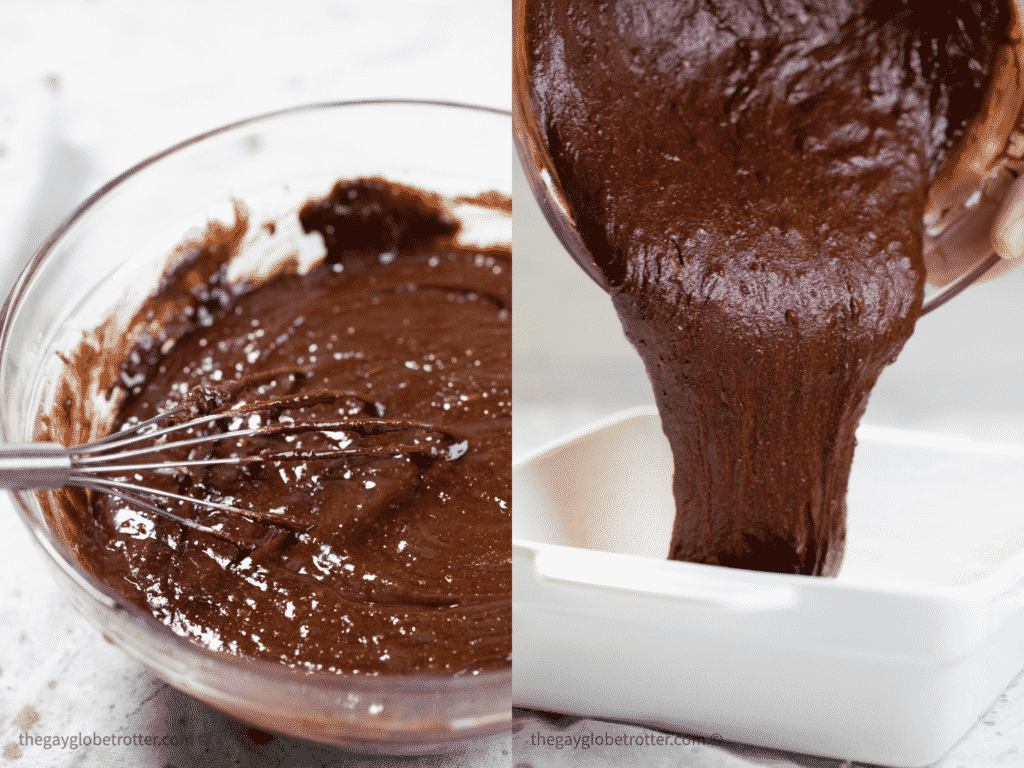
88, 88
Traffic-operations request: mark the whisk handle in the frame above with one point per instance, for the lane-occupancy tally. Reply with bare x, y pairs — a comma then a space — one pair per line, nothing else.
34, 466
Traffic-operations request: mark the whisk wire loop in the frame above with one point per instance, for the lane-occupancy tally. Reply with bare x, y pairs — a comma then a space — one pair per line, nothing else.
39, 466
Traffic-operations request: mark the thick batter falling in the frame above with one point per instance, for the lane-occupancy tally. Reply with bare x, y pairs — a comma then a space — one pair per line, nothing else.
750, 177
372, 563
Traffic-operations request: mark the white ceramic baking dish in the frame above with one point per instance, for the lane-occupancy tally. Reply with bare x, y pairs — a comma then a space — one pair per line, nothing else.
889, 663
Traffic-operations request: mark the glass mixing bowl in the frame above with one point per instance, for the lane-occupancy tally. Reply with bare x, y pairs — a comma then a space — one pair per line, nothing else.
111, 252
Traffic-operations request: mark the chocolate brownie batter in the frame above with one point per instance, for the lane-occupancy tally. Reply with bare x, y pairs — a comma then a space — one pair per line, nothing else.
750, 178
393, 559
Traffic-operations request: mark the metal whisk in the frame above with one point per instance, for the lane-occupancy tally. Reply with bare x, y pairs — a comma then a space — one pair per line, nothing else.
49, 466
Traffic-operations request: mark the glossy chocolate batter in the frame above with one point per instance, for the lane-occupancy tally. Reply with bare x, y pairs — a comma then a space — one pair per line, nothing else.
750, 177
394, 560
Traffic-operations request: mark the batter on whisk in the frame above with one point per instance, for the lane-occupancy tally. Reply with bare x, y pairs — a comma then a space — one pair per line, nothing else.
380, 563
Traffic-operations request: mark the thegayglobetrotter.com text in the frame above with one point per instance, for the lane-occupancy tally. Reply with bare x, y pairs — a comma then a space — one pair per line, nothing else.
591, 739
76, 740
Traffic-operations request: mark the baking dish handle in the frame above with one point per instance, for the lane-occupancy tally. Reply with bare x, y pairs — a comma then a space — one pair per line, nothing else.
663, 578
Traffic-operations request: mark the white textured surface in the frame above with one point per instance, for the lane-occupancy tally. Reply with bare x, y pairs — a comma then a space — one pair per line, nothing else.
997, 740
28, 126
127, 79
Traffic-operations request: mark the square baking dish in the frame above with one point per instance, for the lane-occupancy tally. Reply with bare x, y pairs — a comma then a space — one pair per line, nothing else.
891, 662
